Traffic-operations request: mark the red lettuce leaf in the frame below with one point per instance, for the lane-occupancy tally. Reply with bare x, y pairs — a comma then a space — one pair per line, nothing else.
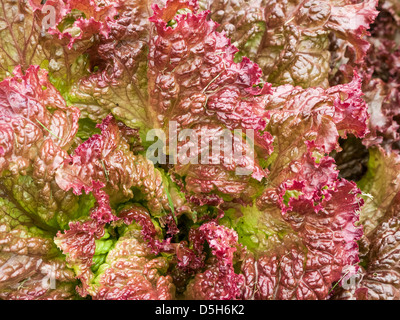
304, 121
233, 171
50, 35
141, 217
132, 269
285, 230
106, 158
218, 281
37, 129
308, 253
118, 83
193, 78
378, 279
381, 81
31, 266
290, 40
78, 243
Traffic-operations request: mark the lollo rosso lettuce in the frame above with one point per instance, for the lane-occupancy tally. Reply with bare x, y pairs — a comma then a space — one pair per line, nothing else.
109, 189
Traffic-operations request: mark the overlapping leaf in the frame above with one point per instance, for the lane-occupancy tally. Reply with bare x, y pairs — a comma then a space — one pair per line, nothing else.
51, 35
378, 279
381, 84
290, 39
284, 230
131, 270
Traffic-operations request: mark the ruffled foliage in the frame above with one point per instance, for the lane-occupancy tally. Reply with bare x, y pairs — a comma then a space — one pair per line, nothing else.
274, 86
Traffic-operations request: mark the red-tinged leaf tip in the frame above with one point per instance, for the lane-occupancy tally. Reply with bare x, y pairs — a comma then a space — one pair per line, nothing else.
103, 212
352, 22
27, 100
352, 111
94, 9
219, 280
78, 243
221, 240
57, 9
214, 87
141, 216
169, 11
89, 27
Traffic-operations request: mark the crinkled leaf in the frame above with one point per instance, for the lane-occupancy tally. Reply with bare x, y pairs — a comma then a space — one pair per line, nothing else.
31, 267
381, 80
48, 35
290, 39
218, 281
37, 130
78, 243
193, 78
299, 254
131, 270
119, 83
107, 158
230, 169
303, 120
379, 278
184, 74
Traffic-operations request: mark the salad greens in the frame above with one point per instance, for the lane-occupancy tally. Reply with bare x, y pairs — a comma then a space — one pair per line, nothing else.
299, 195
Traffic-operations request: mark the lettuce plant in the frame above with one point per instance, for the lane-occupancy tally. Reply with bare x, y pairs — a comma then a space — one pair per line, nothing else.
89, 209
